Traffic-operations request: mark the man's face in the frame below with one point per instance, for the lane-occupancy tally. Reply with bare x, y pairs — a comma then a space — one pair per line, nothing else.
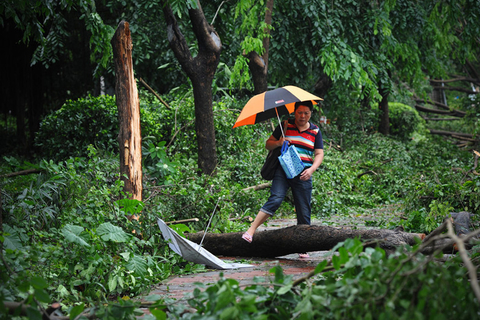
302, 115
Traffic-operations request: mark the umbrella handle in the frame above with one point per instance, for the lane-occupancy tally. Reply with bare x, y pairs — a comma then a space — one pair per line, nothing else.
281, 126
208, 225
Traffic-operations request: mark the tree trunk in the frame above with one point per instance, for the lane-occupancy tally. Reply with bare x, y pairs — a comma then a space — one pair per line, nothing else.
297, 239
323, 84
257, 64
258, 68
129, 137
201, 71
384, 127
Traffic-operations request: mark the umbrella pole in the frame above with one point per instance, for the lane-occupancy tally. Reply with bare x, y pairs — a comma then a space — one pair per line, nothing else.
280, 122
208, 225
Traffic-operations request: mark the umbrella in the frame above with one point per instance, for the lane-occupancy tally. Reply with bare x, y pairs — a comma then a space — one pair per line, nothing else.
269, 104
193, 252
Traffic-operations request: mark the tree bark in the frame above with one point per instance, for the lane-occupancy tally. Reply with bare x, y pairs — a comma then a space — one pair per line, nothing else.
297, 239
323, 84
384, 127
128, 104
200, 71
258, 68
257, 64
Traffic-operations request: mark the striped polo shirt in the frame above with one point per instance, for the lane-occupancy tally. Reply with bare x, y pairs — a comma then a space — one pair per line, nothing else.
306, 142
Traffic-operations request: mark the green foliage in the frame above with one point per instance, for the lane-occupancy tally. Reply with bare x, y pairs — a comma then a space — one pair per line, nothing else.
405, 122
71, 219
85, 250
78, 124
353, 284
91, 121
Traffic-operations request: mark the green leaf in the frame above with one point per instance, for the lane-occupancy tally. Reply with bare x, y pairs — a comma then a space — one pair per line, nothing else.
72, 234
319, 268
112, 282
284, 289
76, 311
109, 232
137, 264
159, 314
11, 238
38, 283
42, 296
130, 206
343, 255
336, 262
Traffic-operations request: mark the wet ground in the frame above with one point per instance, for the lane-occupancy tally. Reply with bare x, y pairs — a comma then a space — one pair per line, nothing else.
181, 287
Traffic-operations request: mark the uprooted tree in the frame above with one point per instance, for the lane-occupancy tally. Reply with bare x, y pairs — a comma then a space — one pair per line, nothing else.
304, 238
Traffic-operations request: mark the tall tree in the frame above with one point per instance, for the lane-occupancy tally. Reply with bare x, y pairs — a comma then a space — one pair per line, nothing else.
201, 71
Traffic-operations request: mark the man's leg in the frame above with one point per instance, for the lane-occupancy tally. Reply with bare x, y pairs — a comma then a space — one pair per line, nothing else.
302, 196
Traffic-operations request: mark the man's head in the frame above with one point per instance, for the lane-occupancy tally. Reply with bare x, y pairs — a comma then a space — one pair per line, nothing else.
307, 104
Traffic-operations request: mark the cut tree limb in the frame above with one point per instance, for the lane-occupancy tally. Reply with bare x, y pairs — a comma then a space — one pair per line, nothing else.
455, 113
297, 239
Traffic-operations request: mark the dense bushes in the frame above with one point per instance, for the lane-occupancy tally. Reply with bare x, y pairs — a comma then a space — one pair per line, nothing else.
91, 121
405, 122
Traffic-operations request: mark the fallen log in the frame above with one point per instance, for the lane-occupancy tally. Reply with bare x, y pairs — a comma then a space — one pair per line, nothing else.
297, 239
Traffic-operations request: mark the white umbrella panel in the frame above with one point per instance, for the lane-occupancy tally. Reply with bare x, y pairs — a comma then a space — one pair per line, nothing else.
193, 252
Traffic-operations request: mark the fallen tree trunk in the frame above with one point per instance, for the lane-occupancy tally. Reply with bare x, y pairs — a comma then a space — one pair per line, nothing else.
297, 239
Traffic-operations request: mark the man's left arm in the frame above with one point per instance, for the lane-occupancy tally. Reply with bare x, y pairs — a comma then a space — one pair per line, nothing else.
317, 161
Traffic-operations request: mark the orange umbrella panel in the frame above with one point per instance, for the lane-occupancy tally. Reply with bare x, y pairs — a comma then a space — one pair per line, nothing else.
273, 103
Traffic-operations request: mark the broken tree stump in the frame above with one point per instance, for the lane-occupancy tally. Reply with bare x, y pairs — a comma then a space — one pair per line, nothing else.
297, 239
128, 104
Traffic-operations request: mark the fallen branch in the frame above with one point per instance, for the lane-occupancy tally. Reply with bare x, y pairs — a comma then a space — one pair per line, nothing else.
450, 133
472, 271
434, 103
460, 89
366, 172
440, 119
182, 221
455, 113
258, 187
463, 138
155, 94
460, 79
20, 173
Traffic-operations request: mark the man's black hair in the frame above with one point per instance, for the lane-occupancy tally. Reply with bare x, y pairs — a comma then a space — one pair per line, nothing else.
307, 103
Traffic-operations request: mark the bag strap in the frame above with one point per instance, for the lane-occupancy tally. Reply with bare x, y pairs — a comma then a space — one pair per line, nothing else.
284, 147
